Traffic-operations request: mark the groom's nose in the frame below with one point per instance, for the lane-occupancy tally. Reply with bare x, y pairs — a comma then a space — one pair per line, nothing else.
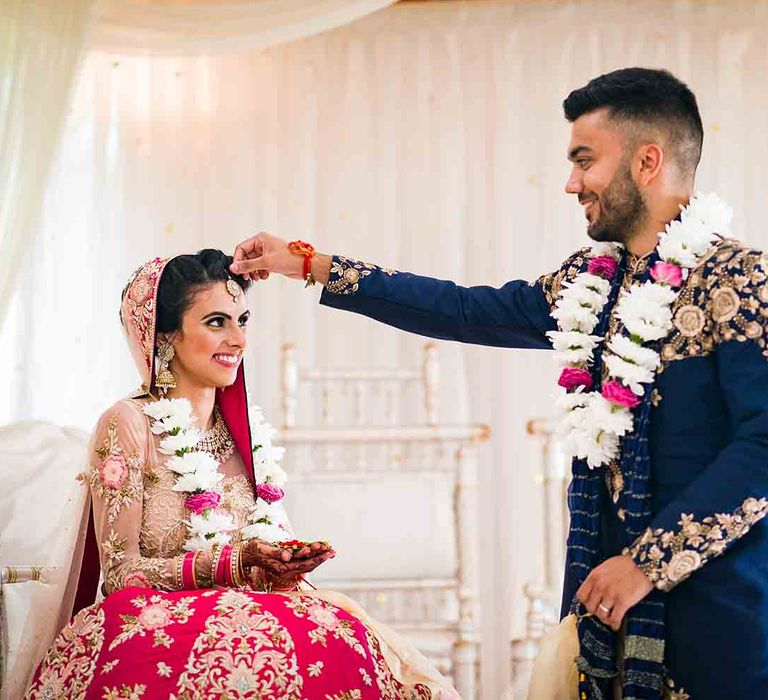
574, 184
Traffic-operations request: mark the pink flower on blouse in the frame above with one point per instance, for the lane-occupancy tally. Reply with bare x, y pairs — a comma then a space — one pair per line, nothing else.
136, 578
603, 266
269, 492
667, 273
114, 471
571, 378
620, 395
154, 617
198, 502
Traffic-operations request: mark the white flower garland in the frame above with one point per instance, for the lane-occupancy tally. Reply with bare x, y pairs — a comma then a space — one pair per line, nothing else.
593, 422
197, 474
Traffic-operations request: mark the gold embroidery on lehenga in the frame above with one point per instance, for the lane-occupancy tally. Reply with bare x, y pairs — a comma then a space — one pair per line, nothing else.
326, 621
346, 274
388, 686
669, 557
153, 616
70, 664
243, 652
125, 692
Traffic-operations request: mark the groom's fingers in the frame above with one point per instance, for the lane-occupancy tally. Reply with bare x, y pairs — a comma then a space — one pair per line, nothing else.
250, 266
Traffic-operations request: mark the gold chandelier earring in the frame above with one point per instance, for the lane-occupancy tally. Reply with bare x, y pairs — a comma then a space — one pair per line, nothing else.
164, 379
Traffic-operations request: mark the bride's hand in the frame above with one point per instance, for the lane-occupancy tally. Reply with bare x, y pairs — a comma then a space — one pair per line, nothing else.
280, 562
256, 257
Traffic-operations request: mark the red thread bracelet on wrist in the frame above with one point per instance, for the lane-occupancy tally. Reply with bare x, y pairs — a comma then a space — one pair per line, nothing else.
308, 251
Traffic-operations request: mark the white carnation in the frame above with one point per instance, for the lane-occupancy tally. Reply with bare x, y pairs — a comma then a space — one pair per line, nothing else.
573, 347
192, 462
673, 250
603, 415
214, 522
710, 210
603, 449
266, 533
630, 351
186, 440
645, 311
630, 375
587, 280
198, 481
571, 316
584, 295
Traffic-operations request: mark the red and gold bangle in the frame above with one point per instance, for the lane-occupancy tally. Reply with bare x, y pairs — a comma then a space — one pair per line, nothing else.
308, 251
223, 564
215, 557
188, 580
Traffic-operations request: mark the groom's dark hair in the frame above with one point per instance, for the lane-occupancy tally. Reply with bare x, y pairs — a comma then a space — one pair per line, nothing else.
639, 98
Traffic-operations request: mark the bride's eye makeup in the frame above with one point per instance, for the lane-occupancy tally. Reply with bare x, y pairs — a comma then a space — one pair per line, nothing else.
217, 320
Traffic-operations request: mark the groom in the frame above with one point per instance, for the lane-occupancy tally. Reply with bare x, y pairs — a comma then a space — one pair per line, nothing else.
662, 342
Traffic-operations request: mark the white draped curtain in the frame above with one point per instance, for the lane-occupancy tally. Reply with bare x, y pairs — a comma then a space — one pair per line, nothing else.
428, 136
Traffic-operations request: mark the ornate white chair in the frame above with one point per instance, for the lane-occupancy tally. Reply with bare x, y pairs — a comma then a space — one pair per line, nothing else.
41, 522
397, 501
543, 595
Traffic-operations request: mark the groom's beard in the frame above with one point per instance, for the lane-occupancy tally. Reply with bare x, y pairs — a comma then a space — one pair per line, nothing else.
622, 210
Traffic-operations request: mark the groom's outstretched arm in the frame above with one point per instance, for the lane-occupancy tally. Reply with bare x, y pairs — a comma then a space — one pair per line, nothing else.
514, 315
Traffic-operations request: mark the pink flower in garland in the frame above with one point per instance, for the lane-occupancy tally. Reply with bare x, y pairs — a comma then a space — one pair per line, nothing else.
667, 273
619, 395
603, 266
199, 502
571, 378
269, 493
114, 471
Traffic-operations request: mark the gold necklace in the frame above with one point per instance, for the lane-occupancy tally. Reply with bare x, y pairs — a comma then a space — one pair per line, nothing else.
218, 440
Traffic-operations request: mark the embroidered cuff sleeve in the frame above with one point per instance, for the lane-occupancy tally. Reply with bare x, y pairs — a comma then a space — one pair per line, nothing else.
669, 557
347, 274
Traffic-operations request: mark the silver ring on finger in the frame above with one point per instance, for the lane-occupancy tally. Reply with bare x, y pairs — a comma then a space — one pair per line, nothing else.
604, 608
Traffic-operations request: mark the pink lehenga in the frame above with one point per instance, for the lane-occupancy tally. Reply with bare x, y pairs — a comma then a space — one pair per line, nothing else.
151, 638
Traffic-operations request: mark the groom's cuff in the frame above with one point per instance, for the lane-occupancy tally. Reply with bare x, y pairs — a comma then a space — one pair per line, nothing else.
348, 274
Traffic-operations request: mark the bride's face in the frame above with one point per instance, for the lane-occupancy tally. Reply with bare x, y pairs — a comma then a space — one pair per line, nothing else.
210, 344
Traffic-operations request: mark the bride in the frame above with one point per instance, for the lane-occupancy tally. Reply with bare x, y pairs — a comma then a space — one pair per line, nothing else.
204, 595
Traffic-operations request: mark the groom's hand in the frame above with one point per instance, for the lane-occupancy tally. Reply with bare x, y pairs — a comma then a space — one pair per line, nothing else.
615, 586
264, 253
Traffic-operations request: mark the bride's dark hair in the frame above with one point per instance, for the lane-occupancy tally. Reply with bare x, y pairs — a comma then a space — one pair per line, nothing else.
185, 275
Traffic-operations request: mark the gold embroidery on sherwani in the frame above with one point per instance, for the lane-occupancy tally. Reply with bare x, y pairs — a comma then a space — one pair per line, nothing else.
724, 299
668, 557
552, 283
346, 274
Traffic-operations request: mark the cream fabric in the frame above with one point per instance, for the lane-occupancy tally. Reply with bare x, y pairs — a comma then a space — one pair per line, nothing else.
41, 42
555, 676
429, 137
213, 26
42, 523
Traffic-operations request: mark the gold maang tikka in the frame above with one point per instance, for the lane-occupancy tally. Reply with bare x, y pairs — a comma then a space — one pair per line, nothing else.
234, 290
164, 379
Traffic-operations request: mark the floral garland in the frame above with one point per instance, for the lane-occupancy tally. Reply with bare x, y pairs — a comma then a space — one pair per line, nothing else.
593, 422
198, 476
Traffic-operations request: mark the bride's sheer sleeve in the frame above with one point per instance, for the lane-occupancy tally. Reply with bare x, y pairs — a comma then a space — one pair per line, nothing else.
118, 465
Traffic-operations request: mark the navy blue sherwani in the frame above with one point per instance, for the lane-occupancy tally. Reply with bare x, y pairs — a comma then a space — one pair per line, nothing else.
706, 547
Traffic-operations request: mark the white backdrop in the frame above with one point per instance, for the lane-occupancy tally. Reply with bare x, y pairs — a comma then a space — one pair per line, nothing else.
427, 136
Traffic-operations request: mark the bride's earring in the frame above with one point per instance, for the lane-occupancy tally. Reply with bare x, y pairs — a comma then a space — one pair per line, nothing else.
164, 378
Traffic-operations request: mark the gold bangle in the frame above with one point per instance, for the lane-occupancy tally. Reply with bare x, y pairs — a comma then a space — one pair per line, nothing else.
215, 556
177, 571
234, 567
194, 569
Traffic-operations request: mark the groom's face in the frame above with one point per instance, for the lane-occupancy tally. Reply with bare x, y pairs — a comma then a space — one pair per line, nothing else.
601, 178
